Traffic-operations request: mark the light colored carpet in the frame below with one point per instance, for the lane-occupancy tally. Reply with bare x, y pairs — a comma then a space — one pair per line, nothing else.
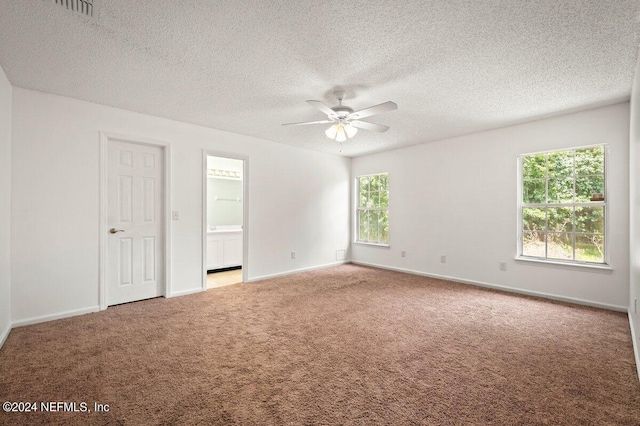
345, 345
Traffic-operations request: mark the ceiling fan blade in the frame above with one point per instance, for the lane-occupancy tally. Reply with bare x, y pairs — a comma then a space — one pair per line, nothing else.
322, 107
377, 109
369, 126
302, 123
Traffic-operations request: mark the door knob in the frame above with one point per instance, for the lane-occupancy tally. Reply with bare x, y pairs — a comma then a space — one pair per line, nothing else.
114, 230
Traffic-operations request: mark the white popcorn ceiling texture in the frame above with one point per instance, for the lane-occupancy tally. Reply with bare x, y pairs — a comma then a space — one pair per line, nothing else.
453, 67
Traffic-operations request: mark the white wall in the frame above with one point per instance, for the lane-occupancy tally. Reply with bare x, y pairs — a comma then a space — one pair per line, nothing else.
5, 202
634, 213
299, 200
457, 197
224, 212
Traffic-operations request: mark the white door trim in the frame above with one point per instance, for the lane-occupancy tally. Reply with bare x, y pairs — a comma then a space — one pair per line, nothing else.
245, 212
105, 138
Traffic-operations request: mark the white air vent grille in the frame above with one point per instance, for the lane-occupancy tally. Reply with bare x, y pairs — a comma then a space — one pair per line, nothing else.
83, 7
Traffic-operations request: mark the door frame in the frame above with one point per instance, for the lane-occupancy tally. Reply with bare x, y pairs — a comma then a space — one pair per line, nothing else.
105, 138
245, 211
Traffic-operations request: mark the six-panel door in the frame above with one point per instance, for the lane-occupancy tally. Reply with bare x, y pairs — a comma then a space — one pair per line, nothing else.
135, 200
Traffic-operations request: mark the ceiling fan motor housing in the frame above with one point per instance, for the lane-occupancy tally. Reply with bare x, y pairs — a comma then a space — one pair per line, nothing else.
342, 111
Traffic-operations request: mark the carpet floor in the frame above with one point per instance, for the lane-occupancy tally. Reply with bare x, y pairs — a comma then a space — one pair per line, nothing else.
346, 345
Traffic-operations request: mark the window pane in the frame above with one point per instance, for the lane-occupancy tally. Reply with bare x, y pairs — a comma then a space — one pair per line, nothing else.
559, 246
534, 166
375, 198
587, 186
364, 183
560, 219
362, 221
534, 219
590, 219
363, 199
560, 163
590, 161
533, 244
533, 191
590, 248
560, 190
383, 217
384, 199
373, 226
370, 200
384, 183
374, 183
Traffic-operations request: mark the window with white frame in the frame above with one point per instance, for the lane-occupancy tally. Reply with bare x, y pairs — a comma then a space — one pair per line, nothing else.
563, 205
372, 213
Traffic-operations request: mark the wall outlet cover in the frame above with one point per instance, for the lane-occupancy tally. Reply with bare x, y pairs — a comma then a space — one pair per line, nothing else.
443, 259
503, 266
341, 254
293, 254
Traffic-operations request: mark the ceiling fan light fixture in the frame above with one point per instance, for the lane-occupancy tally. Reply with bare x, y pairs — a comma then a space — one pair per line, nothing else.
332, 131
341, 132
341, 135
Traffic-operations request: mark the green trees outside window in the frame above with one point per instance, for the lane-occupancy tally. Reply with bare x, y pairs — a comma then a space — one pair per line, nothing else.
563, 205
373, 209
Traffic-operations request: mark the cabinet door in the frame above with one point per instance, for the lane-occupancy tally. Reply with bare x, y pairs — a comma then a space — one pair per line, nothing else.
233, 250
214, 252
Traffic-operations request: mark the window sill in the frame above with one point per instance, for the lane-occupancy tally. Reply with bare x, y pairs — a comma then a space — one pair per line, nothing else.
569, 265
382, 245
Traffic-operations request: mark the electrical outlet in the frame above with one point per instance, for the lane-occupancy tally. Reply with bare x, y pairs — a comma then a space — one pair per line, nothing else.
293, 254
403, 253
503, 266
443, 259
175, 215
341, 254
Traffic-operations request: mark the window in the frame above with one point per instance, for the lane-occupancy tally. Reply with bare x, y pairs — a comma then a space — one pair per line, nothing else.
373, 209
563, 205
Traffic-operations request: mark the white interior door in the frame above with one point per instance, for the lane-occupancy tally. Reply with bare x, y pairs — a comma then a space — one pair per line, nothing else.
135, 219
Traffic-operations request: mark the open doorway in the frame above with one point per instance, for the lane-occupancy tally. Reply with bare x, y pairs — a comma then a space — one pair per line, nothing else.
224, 221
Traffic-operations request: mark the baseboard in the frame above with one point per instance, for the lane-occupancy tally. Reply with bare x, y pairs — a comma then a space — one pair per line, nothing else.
500, 287
636, 350
45, 318
296, 271
185, 292
5, 334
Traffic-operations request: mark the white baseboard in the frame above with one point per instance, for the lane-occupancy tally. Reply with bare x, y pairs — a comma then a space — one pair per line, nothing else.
185, 292
296, 271
45, 318
5, 334
501, 287
636, 350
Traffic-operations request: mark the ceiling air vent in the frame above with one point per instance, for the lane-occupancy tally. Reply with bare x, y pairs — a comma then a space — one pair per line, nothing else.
82, 7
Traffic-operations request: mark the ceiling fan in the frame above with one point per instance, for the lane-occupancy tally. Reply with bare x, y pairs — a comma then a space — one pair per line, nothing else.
346, 122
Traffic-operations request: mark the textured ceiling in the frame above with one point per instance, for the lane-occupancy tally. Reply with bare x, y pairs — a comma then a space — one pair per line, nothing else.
453, 67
